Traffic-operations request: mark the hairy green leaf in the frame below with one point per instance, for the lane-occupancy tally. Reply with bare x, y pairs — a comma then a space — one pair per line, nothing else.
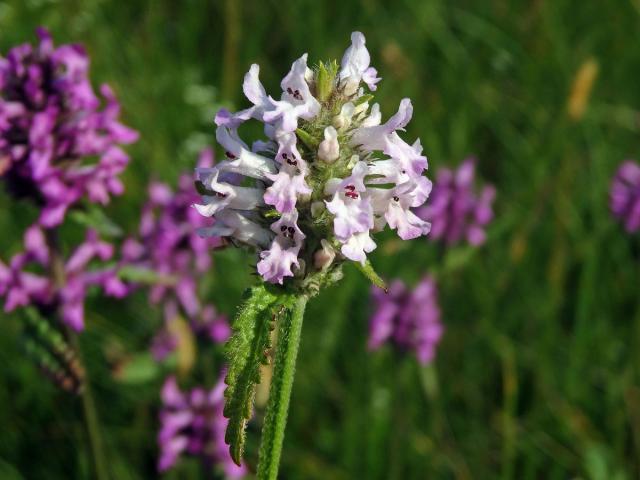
245, 353
310, 141
324, 82
362, 99
368, 271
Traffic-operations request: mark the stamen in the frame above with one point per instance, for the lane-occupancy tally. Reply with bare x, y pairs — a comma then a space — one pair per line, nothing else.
230, 155
396, 199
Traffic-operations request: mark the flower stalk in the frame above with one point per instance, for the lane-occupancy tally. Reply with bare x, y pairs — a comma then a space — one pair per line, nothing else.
288, 342
92, 422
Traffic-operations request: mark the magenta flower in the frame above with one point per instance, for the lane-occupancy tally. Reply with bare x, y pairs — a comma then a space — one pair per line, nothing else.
409, 319
169, 246
455, 210
624, 196
51, 121
192, 423
82, 269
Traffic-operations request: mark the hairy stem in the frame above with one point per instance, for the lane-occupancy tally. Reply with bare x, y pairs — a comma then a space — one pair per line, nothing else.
88, 405
289, 330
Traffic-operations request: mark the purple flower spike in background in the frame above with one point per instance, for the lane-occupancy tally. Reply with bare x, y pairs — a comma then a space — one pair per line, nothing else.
410, 319
84, 268
50, 122
169, 246
192, 424
624, 196
454, 209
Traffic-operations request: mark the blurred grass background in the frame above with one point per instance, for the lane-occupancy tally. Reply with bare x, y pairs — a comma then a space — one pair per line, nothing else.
538, 375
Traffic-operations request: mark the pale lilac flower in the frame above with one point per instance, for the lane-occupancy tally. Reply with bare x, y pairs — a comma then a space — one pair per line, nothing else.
370, 77
624, 196
355, 66
278, 261
51, 121
371, 138
192, 423
455, 210
296, 101
332, 178
352, 211
409, 319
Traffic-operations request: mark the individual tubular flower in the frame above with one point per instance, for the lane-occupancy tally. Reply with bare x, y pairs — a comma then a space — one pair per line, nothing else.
169, 246
51, 122
409, 319
191, 423
327, 177
55, 283
455, 210
624, 196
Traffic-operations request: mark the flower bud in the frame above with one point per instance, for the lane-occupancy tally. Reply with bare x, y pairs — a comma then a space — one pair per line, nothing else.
301, 270
308, 75
329, 149
343, 119
325, 256
351, 85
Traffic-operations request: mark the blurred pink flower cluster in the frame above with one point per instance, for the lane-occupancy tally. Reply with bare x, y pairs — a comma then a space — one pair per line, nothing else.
192, 423
57, 145
58, 148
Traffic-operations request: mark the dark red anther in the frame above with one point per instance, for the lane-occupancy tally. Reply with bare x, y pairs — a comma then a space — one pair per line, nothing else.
353, 195
292, 162
351, 188
396, 199
230, 155
283, 228
221, 195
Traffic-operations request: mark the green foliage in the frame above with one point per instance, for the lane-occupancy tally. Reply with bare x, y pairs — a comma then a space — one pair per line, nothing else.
132, 273
247, 349
94, 217
140, 368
